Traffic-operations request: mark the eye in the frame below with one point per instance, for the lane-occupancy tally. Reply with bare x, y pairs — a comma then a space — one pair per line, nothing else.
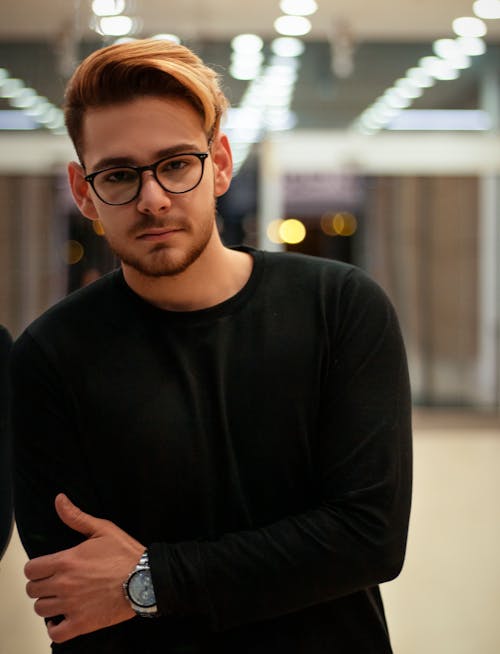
175, 165
118, 176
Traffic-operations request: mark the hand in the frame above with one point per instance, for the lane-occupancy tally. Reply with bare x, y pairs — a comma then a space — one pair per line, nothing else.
84, 583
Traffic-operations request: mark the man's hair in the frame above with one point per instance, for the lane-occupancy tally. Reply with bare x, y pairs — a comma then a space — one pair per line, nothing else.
147, 67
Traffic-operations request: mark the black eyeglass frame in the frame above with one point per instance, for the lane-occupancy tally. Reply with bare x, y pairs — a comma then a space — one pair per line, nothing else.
202, 156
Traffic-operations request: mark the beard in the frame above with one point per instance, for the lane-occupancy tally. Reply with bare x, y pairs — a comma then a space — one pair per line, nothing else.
165, 260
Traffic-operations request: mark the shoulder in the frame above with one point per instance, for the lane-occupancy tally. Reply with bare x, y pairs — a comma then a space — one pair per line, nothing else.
72, 320
5, 340
327, 275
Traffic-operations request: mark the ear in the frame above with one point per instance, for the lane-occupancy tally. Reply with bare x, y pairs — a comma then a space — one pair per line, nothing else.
81, 191
223, 164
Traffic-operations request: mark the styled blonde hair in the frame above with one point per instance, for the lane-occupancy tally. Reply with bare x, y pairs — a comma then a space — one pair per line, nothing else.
147, 67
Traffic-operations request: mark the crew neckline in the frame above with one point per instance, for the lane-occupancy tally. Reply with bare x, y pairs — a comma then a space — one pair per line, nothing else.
226, 307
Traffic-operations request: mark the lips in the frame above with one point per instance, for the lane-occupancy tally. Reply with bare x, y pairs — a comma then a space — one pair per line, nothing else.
158, 234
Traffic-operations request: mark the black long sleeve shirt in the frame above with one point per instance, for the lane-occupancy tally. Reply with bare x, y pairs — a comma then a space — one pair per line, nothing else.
260, 448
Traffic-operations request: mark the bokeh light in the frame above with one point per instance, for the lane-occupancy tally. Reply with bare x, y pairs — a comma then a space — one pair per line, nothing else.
73, 252
273, 231
341, 223
292, 231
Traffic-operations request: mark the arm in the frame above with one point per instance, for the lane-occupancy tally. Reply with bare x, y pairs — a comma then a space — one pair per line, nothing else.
352, 539
355, 536
77, 561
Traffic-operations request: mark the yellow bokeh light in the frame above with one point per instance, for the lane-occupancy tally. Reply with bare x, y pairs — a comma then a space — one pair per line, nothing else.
292, 231
327, 224
273, 231
345, 224
73, 252
342, 223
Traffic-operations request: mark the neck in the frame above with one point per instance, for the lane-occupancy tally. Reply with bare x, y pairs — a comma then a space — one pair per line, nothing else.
217, 274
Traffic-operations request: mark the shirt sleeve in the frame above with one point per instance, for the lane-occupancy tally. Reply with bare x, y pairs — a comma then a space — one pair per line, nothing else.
355, 537
46, 453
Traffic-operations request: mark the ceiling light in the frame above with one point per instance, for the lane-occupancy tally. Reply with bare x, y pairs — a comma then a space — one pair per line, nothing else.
247, 59
247, 43
469, 26
395, 99
10, 87
409, 88
487, 8
445, 48
384, 110
369, 121
40, 106
124, 39
449, 50
115, 25
108, 7
438, 68
287, 46
460, 61
420, 77
167, 37
471, 45
244, 72
25, 98
298, 7
291, 63
280, 120
48, 115
292, 25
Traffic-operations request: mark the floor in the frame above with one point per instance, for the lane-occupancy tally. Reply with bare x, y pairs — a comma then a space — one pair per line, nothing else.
447, 599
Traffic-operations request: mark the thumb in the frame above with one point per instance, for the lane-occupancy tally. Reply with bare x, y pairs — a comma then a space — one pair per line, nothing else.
75, 518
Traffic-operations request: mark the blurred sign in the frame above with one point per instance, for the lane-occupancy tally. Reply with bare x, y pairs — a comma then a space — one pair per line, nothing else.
309, 194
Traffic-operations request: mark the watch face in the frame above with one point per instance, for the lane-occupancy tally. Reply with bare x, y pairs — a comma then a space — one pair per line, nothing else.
140, 589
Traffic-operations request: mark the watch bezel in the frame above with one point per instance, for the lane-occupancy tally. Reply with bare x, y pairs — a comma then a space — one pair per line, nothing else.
142, 610
132, 591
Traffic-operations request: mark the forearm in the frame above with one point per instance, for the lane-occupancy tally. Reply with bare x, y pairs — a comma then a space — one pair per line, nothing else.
354, 536
297, 562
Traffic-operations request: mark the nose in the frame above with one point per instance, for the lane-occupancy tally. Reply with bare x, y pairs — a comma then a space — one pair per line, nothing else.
152, 199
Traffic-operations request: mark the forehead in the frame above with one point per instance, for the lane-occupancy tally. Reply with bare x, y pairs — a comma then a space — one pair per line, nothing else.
139, 128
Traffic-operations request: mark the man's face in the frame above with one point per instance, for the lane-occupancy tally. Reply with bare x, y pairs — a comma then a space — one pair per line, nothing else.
158, 233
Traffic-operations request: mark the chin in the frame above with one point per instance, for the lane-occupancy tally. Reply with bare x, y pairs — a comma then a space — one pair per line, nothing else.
162, 262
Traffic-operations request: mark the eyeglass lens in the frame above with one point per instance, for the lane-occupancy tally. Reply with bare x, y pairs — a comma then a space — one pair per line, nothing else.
176, 174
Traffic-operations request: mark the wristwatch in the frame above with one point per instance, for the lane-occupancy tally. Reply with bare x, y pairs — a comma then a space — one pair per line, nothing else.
139, 589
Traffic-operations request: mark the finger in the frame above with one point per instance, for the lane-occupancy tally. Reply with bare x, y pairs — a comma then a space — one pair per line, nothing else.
48, 607
41, 568
43, 588
75, 518
63, 630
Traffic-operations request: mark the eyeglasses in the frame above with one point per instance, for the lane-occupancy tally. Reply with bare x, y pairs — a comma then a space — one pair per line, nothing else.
179, 173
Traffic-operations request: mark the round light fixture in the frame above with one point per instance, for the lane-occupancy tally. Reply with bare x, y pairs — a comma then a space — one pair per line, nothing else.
298, 7
469, 26
292, 25
247, 43
487, 9
108, 7
287, 46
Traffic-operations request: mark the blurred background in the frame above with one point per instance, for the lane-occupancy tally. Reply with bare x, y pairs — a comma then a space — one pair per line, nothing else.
365, 132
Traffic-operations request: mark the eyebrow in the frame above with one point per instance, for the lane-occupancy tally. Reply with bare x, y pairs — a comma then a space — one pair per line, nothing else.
109, 162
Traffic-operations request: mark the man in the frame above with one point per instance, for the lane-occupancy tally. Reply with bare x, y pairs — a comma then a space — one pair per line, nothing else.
212, 444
